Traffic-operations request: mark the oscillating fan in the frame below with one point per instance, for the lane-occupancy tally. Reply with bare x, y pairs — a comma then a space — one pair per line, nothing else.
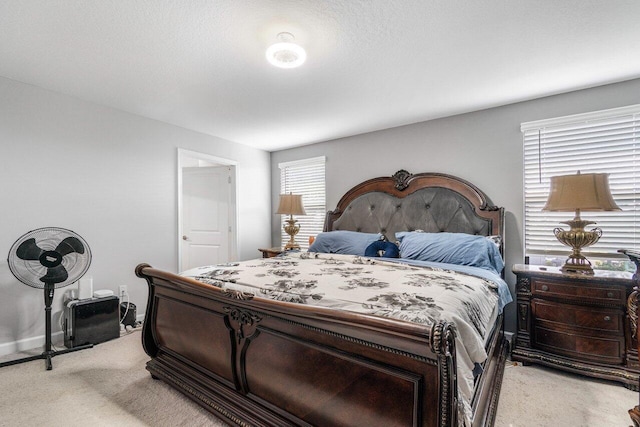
49, 258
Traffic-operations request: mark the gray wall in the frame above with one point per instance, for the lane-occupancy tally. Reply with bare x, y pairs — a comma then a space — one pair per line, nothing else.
111, 177
483, 147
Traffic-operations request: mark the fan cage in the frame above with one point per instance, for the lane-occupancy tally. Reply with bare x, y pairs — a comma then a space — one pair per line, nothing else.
30, 272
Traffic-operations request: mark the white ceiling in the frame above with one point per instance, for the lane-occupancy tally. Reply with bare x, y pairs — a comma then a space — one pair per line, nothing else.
372, 64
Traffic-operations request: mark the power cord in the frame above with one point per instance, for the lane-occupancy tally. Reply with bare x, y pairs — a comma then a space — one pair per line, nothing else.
127, 310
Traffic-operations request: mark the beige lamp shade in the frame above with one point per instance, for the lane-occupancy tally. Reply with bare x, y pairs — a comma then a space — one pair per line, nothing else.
291, 204
584, 192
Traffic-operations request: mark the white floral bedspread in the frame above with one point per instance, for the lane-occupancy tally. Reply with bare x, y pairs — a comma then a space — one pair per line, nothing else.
367, 285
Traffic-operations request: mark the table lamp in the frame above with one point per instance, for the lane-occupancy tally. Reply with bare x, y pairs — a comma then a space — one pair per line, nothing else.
291, 204
587, 192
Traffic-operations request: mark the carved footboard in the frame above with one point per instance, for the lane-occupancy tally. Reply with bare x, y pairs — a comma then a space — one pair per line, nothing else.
260, 362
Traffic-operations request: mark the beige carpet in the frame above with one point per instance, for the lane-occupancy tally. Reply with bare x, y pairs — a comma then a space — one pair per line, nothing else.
542, 397
108, 386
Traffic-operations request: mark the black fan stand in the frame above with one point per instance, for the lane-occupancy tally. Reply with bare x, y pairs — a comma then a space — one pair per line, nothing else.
47, 354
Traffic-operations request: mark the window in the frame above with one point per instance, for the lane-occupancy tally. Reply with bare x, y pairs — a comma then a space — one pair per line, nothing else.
601, 142
305, 177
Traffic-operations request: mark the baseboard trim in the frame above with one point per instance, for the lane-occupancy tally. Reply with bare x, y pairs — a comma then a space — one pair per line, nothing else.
25, 344
30, 343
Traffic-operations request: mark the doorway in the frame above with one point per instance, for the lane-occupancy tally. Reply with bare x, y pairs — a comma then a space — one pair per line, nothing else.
206, 210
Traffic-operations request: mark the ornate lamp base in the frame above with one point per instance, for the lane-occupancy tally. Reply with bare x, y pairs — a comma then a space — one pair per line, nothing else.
291, 244
577, 238
577, 265
291, 228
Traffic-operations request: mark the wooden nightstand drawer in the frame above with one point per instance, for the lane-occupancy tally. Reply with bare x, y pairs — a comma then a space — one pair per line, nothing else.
607, 320
582, 292
580, 347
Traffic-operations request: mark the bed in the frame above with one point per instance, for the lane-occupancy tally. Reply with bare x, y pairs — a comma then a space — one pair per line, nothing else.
253, 360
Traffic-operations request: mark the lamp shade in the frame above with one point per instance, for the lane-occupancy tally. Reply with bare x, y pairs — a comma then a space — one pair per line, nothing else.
291, 204
586, 192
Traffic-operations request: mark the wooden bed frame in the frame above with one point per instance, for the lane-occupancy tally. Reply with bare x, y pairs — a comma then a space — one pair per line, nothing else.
634, 313
258, 362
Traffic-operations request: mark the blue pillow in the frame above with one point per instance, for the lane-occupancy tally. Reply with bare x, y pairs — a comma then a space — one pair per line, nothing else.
451, 248
388, 249
343, 242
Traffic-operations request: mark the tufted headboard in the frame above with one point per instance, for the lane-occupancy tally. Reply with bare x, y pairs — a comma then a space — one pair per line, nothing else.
432, 202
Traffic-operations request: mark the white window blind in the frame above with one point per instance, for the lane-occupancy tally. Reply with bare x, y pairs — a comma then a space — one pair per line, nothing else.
305, 177
601, 142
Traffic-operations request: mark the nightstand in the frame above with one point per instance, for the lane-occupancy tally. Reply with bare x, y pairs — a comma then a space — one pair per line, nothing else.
271, 252
576, 322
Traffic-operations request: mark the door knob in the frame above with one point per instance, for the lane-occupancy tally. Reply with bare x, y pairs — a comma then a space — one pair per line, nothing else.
185, 238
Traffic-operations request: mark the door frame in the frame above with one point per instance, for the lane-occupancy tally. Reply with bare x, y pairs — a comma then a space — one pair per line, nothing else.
186, 157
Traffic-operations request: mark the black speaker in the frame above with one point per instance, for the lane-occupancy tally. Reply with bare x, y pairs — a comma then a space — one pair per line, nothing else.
128, 316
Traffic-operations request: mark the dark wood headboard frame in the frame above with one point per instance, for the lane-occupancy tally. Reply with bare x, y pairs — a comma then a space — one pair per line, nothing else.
403, 183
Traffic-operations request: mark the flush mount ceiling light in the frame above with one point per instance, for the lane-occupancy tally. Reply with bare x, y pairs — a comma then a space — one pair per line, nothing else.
285, 53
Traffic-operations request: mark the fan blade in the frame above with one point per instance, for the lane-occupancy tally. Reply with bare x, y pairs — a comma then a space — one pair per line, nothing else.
29, 250
57, 274
69, 245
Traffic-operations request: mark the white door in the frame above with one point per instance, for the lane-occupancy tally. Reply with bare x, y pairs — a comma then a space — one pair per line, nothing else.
206, 195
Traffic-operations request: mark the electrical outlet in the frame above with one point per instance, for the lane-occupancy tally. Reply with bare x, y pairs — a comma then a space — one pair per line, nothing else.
123, 290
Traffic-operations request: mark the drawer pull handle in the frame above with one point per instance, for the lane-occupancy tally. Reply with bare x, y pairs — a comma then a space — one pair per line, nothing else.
545, 288
609, 294
607, 318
